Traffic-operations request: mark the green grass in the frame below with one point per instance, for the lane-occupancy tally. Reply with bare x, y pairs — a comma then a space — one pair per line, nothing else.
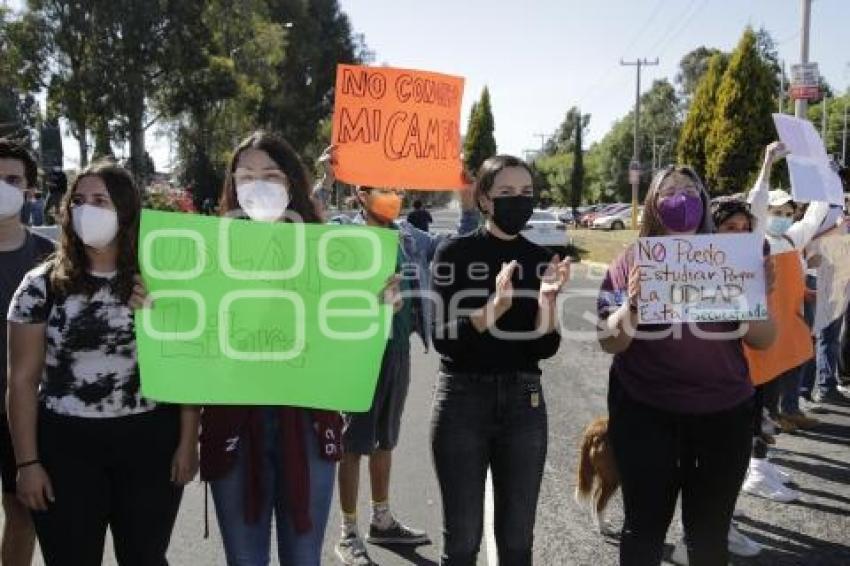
600, 245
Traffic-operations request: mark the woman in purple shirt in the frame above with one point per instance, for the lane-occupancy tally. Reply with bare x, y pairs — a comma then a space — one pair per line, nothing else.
680, 397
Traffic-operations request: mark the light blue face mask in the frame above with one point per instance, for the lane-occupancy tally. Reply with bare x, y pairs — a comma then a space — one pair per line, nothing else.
778, 225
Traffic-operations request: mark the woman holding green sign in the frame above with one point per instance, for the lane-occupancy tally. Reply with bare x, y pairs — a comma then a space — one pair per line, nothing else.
270, 461
91, 451
680, 398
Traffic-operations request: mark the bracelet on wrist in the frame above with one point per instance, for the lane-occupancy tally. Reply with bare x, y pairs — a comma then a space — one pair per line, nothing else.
27, 464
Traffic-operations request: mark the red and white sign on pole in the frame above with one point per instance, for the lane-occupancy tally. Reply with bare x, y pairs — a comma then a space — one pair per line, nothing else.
805, 82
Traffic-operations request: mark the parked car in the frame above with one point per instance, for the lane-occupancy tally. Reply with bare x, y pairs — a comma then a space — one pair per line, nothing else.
545, 229
585, 212
604, 210
618, 220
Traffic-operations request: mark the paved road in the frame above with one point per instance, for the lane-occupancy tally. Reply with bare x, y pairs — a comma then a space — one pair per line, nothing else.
814, 532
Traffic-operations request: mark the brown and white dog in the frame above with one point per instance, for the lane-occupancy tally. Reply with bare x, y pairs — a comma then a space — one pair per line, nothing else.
598, 479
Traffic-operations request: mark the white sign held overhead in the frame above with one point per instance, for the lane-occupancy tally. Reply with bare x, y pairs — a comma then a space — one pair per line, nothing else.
812, 176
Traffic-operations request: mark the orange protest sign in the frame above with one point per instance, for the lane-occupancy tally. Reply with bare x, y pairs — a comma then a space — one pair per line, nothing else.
397, 128
793, 345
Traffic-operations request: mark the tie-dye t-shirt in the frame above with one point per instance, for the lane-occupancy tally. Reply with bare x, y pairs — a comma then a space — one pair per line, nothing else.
90, 365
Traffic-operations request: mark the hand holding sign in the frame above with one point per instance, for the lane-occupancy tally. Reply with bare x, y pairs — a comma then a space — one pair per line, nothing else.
397, 128
703, 278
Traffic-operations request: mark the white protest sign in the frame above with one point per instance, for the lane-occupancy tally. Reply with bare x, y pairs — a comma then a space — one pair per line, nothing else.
703, 278
833, 280
811, 181
812, 177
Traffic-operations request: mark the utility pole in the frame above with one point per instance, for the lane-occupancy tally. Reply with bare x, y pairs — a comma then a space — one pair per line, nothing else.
542, 142
824, 114
634, 167
802, 105
844, 135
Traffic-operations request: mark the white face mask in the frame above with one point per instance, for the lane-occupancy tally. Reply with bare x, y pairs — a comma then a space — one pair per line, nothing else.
95, 226
263, 200
11, 200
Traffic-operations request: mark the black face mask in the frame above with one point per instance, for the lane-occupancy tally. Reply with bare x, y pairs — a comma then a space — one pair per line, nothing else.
510, 214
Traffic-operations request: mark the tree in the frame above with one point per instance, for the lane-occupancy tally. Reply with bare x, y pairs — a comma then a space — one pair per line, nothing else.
742, 124
480, 142
577, 175
691, 147
692, 67
565, 135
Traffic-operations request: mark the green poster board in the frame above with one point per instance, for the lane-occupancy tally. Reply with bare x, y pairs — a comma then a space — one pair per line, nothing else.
253, 313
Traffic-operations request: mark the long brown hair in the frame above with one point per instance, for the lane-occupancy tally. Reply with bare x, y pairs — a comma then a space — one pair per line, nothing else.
69, 265
279, 151
652, 224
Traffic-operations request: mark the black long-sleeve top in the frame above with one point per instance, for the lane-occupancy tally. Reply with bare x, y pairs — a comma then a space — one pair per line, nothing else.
464, 276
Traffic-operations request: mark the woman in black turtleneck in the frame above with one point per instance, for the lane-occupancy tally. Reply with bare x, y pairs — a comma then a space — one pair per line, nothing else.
496, 318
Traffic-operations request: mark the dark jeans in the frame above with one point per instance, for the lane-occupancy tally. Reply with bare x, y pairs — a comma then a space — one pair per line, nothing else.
499, 422
111, 472
660, 454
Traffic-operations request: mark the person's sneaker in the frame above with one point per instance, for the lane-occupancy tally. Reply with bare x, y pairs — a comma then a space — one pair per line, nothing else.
829, 397
768, 425
802, 420
741, 545
844, 389
813, 406
352, 552
396, 534
787, 425
680, 553
760, 483
776, 473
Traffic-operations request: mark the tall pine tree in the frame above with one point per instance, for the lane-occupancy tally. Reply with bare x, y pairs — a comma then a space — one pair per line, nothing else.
479, 143
742, 123
691, 147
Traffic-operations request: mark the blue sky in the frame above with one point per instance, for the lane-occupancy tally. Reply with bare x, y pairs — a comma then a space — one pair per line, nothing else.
539, 57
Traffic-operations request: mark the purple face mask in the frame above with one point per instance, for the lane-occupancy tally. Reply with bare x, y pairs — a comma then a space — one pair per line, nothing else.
680, 212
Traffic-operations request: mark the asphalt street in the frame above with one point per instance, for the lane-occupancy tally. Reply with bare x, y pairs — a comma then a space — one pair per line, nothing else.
812, 532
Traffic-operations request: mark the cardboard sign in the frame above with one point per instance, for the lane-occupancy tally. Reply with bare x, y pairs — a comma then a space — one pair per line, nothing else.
397, 128
702, 278
793, 345
833, 280
812, 177
255, 313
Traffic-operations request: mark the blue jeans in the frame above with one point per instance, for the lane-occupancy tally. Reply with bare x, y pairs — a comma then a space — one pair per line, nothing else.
789, 390
822, 373
499, 422
248, 545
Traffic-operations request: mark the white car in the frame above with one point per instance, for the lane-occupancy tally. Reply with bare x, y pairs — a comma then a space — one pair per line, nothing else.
617, 221
545, 229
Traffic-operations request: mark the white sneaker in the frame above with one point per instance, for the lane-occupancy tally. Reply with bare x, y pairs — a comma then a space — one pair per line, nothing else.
779, 475
741, 545
760, 483
769, 425
680, 553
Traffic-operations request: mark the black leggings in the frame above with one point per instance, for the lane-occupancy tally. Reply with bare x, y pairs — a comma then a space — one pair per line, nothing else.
660, 454
108, 472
